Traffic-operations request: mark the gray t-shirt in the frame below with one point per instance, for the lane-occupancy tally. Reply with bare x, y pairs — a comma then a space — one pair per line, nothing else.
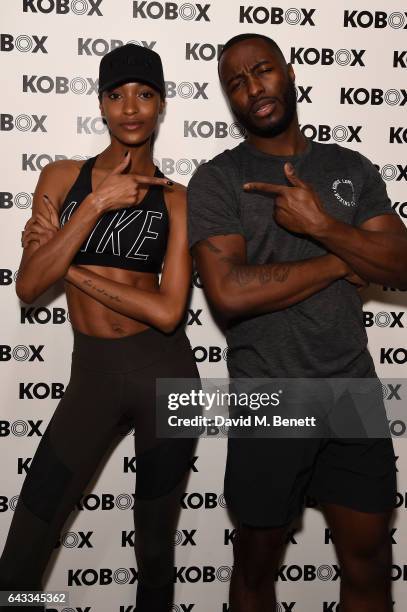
323, 335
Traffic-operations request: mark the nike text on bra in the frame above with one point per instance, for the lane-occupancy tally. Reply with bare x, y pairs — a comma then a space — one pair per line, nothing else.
133, 238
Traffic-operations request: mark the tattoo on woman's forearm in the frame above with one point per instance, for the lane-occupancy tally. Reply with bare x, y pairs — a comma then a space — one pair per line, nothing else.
92, 285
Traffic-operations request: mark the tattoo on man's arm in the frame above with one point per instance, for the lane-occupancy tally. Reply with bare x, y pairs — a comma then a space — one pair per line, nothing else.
243, 274
211, 247
92, 285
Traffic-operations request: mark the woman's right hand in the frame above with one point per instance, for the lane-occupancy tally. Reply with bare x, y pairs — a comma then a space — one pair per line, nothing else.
119, 190
39, 228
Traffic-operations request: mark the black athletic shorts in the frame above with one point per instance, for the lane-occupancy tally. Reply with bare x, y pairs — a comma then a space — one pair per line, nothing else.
268, 478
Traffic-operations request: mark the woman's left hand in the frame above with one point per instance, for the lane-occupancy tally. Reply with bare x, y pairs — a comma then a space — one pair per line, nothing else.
41, 228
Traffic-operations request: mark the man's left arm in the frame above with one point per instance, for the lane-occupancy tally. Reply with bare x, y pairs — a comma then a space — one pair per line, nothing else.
376, 250
375, 247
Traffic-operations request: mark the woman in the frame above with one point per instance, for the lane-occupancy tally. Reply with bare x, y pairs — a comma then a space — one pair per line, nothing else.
105, 226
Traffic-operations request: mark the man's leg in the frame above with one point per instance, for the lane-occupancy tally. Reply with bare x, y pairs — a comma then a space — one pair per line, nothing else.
257, 553
363, 546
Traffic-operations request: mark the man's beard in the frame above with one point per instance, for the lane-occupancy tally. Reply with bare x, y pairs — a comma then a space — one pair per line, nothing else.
268, 131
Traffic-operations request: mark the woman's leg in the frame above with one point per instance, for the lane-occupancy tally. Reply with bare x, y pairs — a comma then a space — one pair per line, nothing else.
80, 431
162, 471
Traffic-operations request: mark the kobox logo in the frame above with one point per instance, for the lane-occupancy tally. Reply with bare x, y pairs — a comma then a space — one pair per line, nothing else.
391, 172
399, 572
400, 59
142, 9
281, 606
7, 503
186, 90
193, 317
103, 577
106, 501
129, 464
196, 281
202, 51
43, 315
38, 161
46, 84
182, 537
337, 133
63, 7
391, 391
398, 134
303, 93
73, 539
20, 352
374, 97
393, 355
41, 390
101, 46
23, 43
383, 319
401, 500
213, 354
276, 15
181, 166
212, 129
90, 125
307, 573
378, 19
7, 276
400, 208
22, 123
20, 200
397, 427
327, 57
206, 573
20, 428
209, 501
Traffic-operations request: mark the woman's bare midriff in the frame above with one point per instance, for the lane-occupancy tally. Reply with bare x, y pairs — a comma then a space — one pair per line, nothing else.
90, 317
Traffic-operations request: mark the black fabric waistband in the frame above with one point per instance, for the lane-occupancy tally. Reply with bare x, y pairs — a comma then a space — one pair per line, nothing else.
126, 353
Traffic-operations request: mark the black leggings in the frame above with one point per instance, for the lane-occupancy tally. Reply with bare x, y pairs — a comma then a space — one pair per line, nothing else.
111, 390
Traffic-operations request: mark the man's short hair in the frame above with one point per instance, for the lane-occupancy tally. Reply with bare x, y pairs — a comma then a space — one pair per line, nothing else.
236, 39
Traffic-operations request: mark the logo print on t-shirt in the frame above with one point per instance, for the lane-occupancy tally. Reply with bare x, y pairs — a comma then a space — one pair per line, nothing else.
344, 192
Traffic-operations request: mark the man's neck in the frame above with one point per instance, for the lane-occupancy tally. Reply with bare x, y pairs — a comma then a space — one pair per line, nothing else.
290, 142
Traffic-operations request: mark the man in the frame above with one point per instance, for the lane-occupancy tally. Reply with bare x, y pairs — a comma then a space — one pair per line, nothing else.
284, 231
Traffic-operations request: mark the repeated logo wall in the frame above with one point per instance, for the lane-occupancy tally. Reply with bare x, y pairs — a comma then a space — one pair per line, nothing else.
350, 66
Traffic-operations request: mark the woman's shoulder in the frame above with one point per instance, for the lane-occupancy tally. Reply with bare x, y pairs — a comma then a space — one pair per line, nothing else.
63, 168
57, 177
175, 197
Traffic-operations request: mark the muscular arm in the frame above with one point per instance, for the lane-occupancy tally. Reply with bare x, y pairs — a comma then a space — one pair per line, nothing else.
163, 308
41, 266
237, 288
376, 250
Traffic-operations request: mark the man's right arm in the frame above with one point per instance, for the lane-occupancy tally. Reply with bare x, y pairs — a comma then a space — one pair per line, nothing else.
236, 288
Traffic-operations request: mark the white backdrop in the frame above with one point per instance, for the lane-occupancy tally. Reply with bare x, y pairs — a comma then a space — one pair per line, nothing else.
350, 65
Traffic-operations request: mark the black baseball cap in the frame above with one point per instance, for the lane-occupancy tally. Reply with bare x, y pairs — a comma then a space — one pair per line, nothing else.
131, 63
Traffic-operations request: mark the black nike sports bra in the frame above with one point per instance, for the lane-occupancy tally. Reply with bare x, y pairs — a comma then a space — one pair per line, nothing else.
133, 238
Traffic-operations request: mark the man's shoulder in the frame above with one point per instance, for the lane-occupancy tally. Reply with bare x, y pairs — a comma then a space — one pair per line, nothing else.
225, 163
335, 150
